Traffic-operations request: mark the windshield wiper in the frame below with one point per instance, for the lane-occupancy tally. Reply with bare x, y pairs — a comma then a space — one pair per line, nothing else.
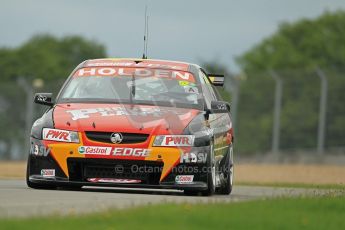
132, 89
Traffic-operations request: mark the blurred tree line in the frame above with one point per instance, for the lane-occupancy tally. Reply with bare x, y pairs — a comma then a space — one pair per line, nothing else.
43, 57
294, 53
47, 57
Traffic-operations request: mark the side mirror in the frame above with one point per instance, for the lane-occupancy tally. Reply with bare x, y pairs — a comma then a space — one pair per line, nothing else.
44, 99
220, 107
216, 79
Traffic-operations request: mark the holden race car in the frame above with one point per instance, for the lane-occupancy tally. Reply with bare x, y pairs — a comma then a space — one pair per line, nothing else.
136, 123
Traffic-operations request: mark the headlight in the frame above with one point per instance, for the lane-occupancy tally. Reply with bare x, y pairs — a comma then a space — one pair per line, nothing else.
60, 135
174, 140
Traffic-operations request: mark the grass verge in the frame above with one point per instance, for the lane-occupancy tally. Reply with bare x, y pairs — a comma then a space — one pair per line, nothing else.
294, 185
283, 213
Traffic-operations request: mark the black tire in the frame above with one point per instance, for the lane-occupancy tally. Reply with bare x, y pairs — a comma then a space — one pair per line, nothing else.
211, 177
211, 174
32, 184
227, 185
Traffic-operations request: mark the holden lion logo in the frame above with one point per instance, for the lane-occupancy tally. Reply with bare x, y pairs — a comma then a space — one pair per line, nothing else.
116, 138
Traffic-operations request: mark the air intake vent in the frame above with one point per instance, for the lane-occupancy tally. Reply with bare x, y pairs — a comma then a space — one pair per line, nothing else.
127, 138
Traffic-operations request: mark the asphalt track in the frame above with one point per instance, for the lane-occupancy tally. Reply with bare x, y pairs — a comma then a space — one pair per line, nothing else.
17, 200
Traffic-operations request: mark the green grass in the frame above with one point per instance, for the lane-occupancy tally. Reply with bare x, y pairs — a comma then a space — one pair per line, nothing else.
295, 185
284, 213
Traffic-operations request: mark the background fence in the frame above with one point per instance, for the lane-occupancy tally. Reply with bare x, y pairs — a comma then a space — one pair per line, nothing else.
18, 112
289, 111
276, 111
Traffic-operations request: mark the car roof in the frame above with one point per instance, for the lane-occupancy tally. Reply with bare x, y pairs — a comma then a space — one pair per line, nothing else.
135, 62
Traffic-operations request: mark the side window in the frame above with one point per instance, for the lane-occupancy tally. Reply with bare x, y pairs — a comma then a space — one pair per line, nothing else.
207, 89
219, 97
213, 90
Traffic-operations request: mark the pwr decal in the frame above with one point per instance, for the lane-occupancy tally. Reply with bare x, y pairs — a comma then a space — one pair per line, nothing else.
174, 140
56, 135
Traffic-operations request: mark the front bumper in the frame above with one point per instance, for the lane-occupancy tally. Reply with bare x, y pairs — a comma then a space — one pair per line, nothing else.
79, 170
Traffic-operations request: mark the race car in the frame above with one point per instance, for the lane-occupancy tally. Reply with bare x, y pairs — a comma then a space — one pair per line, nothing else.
136, 123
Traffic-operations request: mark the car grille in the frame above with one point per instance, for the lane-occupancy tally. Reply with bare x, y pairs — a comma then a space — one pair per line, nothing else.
128, 138
82, 169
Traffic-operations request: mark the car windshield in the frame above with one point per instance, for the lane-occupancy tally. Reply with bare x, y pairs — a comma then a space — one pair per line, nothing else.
134, 86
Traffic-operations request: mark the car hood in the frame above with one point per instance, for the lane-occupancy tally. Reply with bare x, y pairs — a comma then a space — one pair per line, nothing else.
122, 118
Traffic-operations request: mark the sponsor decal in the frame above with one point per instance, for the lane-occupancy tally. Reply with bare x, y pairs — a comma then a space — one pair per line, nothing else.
36, 150
184, 179
59, 135
81, 149
184, 83
174, 140
113, 180
41, 98
39, 150
48, 172
133, 64
193, 158
191, 89
94, 150
139, 72
221, 106
105, 63
107, 151
137, 152
115, 111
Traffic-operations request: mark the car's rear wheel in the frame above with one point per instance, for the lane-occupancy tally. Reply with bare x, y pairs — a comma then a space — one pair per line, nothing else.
32, 184
227, 185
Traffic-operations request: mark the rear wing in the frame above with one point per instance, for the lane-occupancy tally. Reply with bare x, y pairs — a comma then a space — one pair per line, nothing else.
216, 79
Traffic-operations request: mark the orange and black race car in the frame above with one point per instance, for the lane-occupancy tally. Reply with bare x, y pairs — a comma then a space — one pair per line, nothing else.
135, 123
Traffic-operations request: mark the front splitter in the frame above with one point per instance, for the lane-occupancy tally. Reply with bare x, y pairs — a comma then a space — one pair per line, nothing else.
65, 182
